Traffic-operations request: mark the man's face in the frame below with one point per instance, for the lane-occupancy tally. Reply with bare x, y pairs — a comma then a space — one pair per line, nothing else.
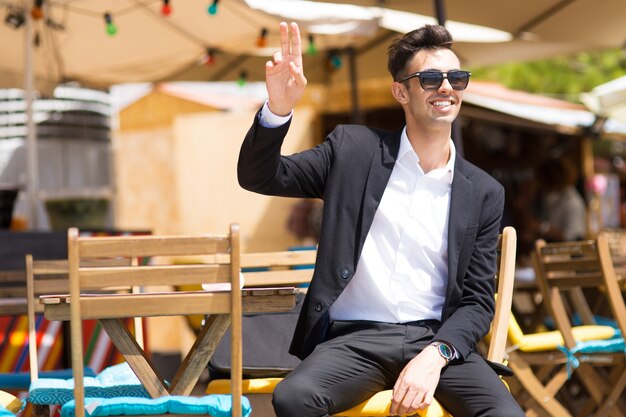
438, 106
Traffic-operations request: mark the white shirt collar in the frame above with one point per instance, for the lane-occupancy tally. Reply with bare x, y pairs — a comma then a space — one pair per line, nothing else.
441, 173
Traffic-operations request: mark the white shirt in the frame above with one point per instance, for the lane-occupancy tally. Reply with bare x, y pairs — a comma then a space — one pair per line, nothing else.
402, 273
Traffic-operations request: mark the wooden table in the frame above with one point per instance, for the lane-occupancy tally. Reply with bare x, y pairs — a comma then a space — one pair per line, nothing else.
140, 305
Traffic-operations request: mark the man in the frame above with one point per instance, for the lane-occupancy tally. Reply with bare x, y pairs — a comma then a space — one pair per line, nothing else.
403, 286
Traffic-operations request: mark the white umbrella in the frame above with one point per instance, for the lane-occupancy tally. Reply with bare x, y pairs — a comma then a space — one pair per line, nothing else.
608, 100
540, 28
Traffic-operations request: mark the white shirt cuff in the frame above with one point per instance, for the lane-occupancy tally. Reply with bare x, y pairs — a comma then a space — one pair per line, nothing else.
269, 119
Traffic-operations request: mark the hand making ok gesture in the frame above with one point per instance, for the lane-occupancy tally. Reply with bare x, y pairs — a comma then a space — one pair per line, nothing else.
284, 75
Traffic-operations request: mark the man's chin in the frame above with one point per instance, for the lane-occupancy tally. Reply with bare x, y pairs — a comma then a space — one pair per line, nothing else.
445, 119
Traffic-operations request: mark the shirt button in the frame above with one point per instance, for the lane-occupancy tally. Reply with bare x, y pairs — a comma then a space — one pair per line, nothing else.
345, 274
319, 307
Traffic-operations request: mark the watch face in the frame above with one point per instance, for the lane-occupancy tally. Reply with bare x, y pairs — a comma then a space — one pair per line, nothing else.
445, 351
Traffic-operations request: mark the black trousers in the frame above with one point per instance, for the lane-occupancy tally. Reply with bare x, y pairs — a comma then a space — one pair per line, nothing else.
362, 358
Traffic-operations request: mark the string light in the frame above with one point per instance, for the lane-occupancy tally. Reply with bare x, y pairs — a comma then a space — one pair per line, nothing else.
166, 9
243, 78
15, 17
335, 60
110, 26
209, 57
311, 50
37, 12
261, 41
213, 7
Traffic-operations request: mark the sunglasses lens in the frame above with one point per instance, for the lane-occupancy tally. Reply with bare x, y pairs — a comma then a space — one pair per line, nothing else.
431, 80
458, 79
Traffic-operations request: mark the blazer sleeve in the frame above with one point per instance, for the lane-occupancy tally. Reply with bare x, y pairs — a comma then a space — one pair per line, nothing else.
262, 169
470, 320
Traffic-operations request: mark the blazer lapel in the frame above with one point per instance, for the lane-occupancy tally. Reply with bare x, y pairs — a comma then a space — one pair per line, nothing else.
383, 160
460, 200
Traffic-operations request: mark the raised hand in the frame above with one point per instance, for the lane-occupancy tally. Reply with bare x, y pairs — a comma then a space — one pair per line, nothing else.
284, 75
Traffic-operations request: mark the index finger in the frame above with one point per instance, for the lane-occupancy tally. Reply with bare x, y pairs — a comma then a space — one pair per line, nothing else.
284, 39
295, 40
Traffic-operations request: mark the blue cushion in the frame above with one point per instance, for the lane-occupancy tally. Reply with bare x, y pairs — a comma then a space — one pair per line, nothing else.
21, 380
214, 405
613, 345
114, 381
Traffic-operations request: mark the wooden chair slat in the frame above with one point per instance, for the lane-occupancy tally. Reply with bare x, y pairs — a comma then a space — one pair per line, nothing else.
91, 278
270, 278
145, 246
275, 259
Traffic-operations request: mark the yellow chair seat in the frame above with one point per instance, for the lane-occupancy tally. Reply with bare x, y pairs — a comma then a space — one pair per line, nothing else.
378, 405
10, 402
249, 386
550, 340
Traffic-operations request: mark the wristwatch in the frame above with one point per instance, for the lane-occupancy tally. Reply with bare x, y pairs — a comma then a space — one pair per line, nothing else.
445, 350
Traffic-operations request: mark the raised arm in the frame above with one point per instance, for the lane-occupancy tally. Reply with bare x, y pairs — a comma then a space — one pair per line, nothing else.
284, 75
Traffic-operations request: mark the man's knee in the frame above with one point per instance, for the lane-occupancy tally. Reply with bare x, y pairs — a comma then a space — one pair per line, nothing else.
293, 398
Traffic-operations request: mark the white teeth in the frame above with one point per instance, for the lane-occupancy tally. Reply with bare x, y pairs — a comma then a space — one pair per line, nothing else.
442, 103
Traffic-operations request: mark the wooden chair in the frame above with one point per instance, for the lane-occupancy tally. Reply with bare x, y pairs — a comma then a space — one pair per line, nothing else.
225, 307
380, 403
565, 273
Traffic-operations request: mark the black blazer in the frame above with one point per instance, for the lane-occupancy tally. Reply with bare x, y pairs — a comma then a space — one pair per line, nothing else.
350, 171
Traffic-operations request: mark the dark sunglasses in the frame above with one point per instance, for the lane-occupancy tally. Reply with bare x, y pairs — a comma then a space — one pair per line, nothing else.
432, 80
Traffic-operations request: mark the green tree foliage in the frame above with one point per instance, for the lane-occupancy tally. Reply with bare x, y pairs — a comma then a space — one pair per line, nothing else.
562, 77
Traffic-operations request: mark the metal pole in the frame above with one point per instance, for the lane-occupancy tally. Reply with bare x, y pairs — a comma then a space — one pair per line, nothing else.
440, 12
357, 114
32, 164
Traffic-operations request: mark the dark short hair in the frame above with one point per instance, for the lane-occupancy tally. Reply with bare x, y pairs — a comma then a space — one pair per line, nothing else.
428, 37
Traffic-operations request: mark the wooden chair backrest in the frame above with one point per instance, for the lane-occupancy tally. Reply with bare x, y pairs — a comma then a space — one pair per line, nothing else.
564, 269
49, 277
263, 269
86, 279
507, 247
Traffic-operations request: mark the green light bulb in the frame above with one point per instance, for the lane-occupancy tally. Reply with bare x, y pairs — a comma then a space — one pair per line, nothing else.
111, 29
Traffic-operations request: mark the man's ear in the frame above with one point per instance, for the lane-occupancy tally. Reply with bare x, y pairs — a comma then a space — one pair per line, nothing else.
399, 92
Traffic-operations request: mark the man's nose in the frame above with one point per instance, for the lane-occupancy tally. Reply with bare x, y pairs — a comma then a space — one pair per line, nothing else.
445, 85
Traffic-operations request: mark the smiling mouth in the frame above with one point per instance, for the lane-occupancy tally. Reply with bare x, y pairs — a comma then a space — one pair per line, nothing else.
442, 103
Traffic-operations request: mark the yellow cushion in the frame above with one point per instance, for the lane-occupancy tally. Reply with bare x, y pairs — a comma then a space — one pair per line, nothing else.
378, 405
10, 402
539, 342
249, 386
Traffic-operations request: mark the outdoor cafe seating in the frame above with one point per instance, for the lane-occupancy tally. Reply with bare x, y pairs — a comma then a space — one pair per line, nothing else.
572, 277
